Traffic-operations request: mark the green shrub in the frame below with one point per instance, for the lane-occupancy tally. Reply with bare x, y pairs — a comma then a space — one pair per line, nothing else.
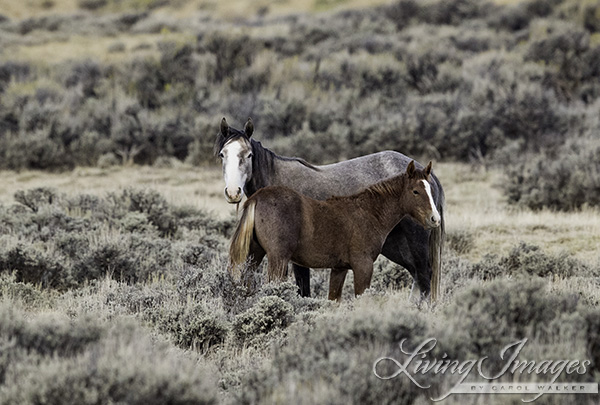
461, 241
151, 204
37, 197
330, 358
267, 315
191, 325
116, 364
525, 260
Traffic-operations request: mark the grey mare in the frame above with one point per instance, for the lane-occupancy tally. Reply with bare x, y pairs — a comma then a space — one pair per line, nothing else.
248, 167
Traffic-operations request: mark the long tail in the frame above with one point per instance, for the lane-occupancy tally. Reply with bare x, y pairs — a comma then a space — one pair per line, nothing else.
240, 243
436, 243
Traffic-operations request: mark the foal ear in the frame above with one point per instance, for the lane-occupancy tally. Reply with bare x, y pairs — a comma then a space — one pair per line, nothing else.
428, 169
224, 127
410, 169
249, 127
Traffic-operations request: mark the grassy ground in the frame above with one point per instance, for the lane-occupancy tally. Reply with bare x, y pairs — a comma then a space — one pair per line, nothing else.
222, 8
475, 204
102, 333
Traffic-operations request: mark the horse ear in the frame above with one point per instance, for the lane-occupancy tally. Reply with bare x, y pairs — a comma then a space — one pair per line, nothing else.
224, 127
249, 127
410, 170
428, 169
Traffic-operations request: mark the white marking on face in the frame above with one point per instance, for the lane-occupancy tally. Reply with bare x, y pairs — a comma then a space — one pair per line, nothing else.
237, 164
434, 220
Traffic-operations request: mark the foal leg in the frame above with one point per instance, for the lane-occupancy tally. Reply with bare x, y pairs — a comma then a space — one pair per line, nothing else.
363, 271
336, 283
302, 275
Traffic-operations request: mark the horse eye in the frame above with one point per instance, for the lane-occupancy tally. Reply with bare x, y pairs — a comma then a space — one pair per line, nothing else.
250, 155
221, 155
415, 192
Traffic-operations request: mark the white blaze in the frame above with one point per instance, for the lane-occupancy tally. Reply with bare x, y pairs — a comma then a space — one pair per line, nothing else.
435, 216
235, 178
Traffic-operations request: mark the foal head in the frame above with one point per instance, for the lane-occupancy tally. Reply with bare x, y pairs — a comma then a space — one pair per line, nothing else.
418, 197
235, 150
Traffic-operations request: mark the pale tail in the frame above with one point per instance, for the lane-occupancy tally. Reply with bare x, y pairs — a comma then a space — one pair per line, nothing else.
436, 242
240, 243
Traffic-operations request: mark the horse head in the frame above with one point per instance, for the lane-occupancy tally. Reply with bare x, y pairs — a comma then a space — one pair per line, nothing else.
235, 150
419, 198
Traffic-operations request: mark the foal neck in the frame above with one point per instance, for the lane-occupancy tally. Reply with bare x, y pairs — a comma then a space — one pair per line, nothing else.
386, 200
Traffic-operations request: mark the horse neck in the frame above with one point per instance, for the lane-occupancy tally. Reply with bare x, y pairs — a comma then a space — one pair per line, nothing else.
263, 168
269, 169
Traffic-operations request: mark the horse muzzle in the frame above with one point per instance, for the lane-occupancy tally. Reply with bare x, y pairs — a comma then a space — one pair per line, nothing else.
235, 197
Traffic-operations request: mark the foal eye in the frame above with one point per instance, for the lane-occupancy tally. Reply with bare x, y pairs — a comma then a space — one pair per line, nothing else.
221, 155
415, 192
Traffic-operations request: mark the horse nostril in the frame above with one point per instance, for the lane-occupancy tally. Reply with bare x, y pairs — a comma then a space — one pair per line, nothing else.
239, 191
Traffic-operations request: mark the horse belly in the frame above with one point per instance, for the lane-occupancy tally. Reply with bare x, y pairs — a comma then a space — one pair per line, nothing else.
318, 259
323, 241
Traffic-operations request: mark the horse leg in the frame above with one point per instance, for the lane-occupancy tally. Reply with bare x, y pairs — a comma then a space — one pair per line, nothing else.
336, 283
302, 275
363, 271
408, 246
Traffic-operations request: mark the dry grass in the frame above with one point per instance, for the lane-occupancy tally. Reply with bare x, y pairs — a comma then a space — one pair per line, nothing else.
475, 204
78, 47
198, 187
227, 9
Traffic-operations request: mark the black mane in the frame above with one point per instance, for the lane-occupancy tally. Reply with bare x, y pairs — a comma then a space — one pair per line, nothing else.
263, 166
262, 162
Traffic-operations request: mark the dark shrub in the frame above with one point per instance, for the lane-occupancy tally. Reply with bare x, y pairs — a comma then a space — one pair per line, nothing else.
33, 151
401, 12
282, 118
107, 259
232, 52
85, 75
564, 48
34, 266
454, 11
17, 71
92, 4
565, 180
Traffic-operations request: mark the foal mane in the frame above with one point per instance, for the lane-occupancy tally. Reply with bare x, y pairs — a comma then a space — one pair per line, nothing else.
390, 187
